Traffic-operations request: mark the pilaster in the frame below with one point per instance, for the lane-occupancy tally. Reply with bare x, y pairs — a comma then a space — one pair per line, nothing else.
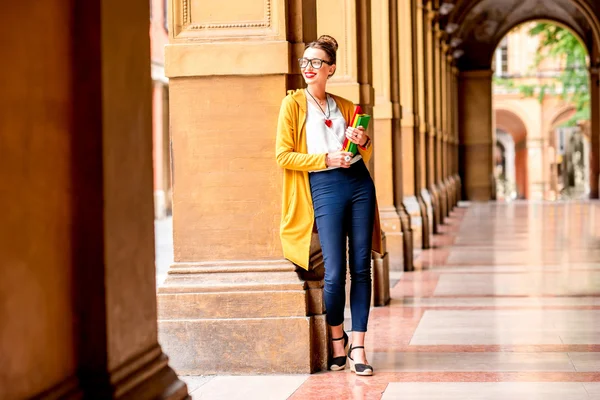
230, 300
430, 104
351, 25
410, 118
449, 132
79, 294
476, 134
383, 115
419, 129
439, 121
455, 125
398, 165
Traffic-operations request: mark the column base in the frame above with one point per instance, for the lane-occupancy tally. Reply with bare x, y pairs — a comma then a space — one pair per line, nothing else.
435, 205
153, 380
381, 277
443, 196
428, 200
451, 194
479, 193
392, 226
237, 318
411, 204
407, 239
425, 235
459, 195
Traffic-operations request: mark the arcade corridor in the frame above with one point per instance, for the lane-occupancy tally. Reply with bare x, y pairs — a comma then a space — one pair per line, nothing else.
506, 307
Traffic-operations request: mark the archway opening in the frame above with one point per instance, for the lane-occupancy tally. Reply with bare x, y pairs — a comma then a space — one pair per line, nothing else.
541, 97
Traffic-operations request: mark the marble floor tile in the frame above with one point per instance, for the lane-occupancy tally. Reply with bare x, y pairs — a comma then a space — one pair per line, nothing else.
508, 327
485, 391
574, 283
500, 302
249, 387
195, 382
586, 362
506, 305
593, 389
480, 361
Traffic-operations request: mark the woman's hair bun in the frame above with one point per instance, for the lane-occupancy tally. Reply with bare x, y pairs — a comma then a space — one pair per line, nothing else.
328, 40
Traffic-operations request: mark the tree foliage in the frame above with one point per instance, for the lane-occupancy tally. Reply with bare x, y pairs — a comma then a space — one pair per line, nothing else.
572, 82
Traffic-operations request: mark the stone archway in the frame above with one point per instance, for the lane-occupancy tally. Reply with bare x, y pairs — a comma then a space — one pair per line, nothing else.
509, 122
475, 29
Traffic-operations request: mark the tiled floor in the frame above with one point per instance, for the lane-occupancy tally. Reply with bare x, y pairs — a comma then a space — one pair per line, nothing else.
507, 306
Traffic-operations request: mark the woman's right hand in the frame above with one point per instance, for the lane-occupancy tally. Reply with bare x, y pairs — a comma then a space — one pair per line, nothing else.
338, 159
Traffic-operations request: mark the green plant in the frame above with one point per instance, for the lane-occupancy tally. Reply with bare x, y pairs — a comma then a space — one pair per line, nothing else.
559, 43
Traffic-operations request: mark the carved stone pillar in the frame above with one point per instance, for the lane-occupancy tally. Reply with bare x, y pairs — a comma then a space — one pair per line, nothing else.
351, 26
231, 302
398, 163
410, 119
439, 122
430, 126
420, 127
383, 114
444, 123
455, 128
78, 291
449, 131
476, 134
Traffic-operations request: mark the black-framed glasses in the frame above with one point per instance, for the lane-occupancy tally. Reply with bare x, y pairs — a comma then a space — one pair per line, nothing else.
316, 63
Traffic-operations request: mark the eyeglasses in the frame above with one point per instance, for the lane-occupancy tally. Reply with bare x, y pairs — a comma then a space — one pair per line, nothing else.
316, 63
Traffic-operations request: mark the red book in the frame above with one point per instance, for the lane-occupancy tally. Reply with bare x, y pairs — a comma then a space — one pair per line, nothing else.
357, 111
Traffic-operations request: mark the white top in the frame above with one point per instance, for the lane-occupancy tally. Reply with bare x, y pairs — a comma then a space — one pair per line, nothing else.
320, 138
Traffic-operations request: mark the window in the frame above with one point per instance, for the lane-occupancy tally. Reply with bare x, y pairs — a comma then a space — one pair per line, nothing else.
502, 58
165, 13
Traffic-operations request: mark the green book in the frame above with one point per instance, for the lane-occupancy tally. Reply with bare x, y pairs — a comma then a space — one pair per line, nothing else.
361, 120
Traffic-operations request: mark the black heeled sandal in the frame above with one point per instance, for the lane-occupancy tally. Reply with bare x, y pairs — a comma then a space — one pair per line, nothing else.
339, 363
359, 369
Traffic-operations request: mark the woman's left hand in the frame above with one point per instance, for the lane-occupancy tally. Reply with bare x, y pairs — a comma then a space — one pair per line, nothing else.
357, 135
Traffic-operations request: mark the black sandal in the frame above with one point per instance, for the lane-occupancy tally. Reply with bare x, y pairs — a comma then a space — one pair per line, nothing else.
359, 369
339, 363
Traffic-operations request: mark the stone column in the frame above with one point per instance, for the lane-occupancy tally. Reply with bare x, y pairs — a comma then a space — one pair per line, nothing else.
410, 119
535, 170
420, 124
383, 114
231, 303
430, 104
397, 10
351, 26
455, 126
439, 103
161, 147
476, 137
78, 289
449, 131
595, 132
445, 133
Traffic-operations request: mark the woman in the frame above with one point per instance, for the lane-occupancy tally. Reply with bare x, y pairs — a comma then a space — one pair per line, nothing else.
322, 183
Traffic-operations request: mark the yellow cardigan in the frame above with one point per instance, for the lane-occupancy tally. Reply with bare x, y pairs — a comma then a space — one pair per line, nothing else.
297, 214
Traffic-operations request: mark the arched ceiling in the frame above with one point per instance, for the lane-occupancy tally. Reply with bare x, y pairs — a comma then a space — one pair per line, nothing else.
477, 26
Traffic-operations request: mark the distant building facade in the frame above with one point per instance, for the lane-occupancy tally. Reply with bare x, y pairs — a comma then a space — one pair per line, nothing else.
160, 105
535, 157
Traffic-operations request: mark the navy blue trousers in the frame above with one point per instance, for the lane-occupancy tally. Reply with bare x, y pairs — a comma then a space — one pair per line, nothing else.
344, 204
